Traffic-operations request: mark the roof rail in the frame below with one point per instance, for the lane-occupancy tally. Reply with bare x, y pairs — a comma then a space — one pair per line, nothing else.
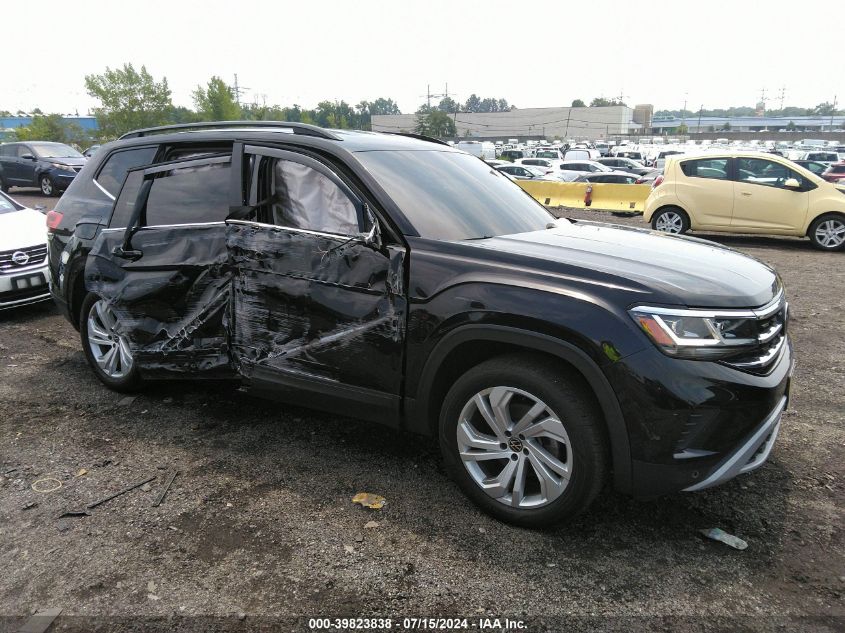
421, 137
296, 128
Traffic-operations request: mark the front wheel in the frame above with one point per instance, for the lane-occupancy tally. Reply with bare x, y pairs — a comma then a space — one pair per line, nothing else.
827, 233
670, 220
47, 186
105, 348
524, 439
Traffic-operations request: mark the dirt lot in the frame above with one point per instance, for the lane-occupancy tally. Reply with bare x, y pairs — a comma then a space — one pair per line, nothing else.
258, 528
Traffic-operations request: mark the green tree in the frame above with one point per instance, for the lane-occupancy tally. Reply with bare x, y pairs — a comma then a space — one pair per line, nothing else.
791, 127
216, 102
128, 100
823, 109
51, 127
682, 129
448, 104
434, 122
577, 103
473, 104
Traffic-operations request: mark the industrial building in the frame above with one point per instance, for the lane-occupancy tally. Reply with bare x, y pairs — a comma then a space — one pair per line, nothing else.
526, 123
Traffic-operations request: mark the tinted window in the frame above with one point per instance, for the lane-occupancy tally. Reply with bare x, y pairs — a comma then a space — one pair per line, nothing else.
837, 169
453, 196
189, 195
716, 168
126, 201
8, 150
114, 170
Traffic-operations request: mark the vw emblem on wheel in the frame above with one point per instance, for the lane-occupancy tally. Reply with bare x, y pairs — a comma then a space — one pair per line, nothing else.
20, 258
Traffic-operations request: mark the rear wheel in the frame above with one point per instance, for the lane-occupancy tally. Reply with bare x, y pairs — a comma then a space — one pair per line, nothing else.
670, 220
106, 349
524, 439
4, 187
827, 232
47, 186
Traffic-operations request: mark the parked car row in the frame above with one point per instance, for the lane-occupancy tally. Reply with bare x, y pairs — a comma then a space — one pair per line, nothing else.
23, 255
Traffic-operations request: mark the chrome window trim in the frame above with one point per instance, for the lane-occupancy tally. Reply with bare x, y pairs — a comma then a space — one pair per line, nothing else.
338, 236
164, 226
103, 189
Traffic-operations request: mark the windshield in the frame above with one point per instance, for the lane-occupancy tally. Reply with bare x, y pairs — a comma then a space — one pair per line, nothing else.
7, 206
54, 150
454, 196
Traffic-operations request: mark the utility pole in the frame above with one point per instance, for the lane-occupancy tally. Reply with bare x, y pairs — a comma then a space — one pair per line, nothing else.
832, 112
237, 90
428, 94
700, 110
782, 98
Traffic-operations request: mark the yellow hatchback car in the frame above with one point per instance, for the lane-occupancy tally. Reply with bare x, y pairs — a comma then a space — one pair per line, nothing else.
747, 193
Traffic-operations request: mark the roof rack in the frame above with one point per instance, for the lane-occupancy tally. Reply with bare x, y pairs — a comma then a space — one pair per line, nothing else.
296, 128
421, 137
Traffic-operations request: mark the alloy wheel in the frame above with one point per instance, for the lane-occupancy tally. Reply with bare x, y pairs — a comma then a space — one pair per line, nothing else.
109, 348
514, 447
831, 233
669, 222
46, 186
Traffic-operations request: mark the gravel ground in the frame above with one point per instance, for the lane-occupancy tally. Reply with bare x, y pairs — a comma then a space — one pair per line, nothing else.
258, 527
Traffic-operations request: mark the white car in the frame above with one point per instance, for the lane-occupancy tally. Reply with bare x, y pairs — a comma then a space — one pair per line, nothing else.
23, 255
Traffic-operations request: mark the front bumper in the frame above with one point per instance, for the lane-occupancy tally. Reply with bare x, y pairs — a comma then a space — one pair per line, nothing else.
748, 456
24, 287
62, 179
696, 424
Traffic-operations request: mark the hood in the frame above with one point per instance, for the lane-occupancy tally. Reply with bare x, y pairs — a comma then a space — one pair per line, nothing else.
19, 229
72, 162
672, 269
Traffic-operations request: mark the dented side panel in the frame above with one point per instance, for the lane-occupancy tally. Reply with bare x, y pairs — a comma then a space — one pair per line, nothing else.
316, 306
172, 303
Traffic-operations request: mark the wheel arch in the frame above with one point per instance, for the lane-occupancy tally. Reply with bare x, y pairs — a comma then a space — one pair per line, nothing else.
824, 214
467, 346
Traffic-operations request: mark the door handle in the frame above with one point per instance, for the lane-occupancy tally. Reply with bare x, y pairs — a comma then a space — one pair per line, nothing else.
130, 254
745, 193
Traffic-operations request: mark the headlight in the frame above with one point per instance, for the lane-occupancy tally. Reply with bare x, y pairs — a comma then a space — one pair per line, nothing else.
61, 167
698, 334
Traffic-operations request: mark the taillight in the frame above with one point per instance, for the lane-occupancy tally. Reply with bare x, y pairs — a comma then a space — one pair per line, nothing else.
54, 218
657, 182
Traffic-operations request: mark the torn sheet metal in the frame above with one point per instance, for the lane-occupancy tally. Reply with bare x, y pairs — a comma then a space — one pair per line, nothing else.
171, 303
217, 300
316, 305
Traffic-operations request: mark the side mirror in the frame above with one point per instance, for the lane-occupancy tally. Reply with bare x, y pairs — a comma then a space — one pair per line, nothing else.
792, 183
27, 156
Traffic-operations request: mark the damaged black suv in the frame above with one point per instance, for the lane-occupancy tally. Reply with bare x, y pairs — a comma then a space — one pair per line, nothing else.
400, 280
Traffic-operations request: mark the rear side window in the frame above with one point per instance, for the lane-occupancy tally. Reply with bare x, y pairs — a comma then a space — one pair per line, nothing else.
189, 195
114, 170
837, 169
716, 168
8, 150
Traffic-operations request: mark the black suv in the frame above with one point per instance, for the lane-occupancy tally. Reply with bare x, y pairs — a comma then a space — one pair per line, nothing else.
49, 166
399, 280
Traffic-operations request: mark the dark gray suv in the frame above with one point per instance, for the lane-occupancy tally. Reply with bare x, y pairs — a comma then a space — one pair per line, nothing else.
49, 166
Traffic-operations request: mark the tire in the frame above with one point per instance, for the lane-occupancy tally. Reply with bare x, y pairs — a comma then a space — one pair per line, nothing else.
3, 186
96, 318
827, 232
46, 185
671, 220
579, 463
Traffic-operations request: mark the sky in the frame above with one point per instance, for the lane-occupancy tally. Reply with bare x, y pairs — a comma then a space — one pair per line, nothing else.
534, 54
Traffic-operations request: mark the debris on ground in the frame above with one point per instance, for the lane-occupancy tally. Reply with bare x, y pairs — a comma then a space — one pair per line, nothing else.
73, 513
40, 621
371, 525
120, 492
30, 505
48, 484
82, 472
164, 490
369, 500
717, 534
126, 401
